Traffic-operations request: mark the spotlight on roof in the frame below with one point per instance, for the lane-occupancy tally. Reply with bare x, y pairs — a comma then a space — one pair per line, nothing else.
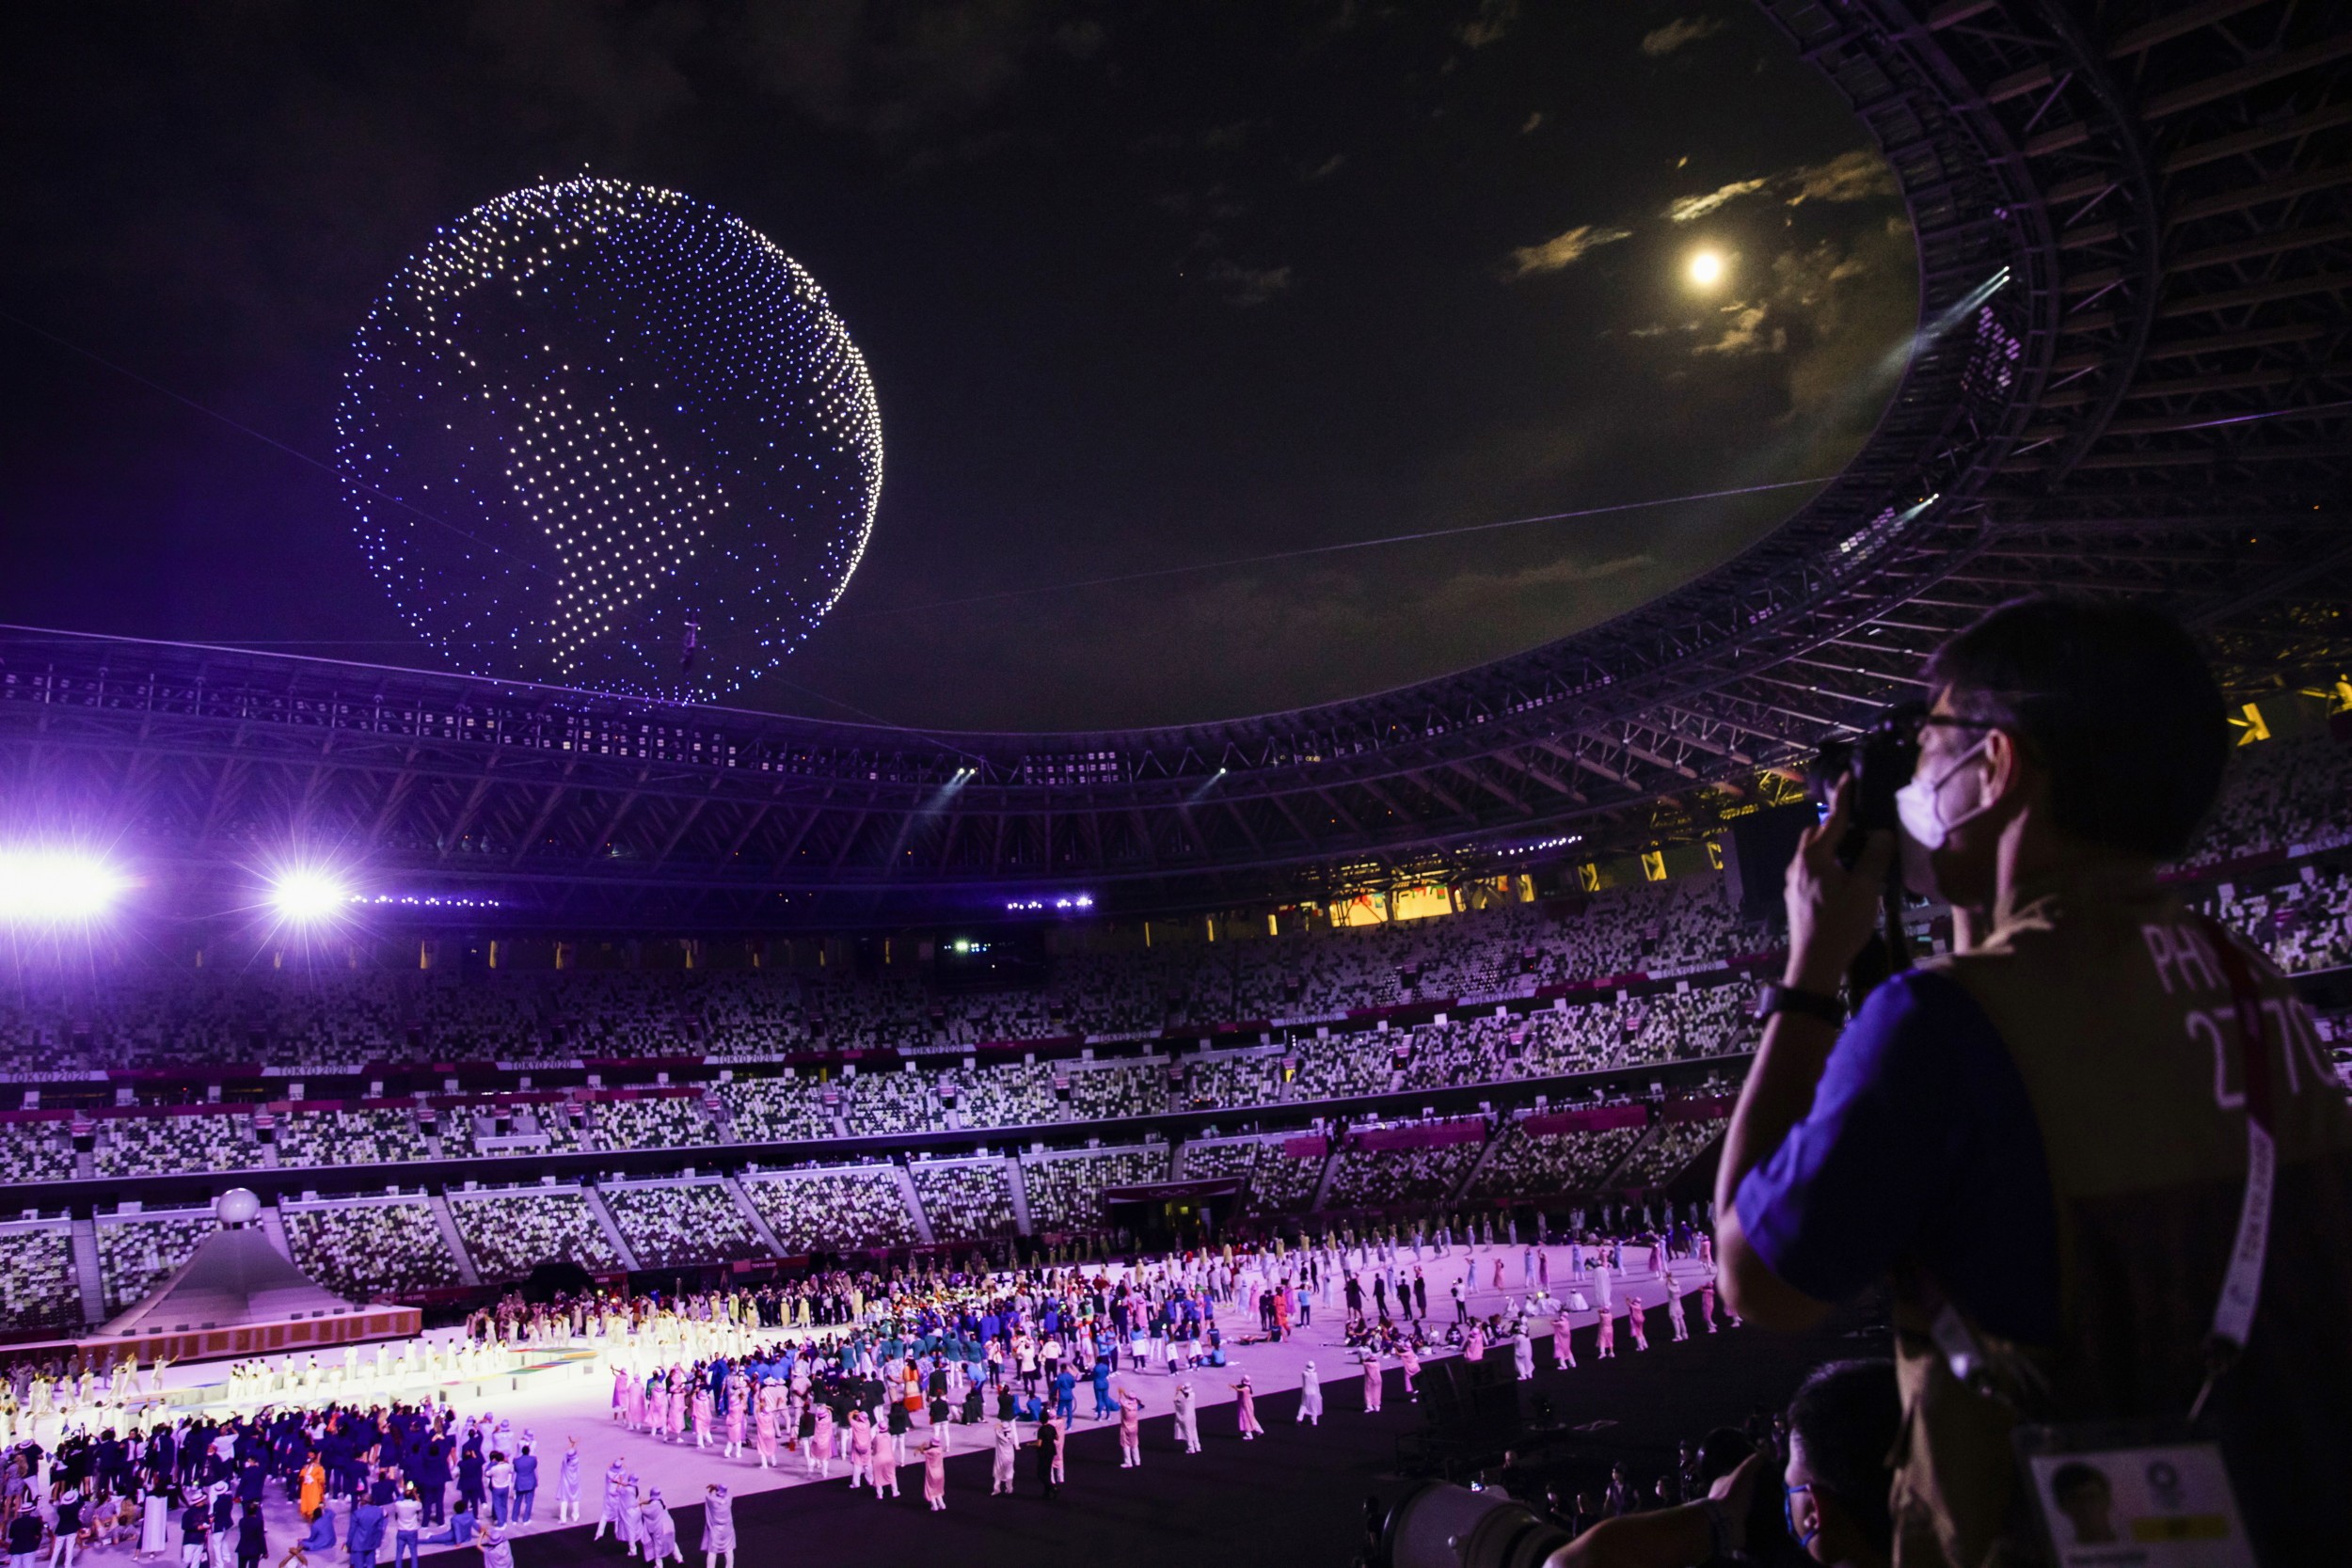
40, 887
305, 897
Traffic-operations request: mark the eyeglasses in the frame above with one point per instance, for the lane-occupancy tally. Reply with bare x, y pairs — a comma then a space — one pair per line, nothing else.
1789, 1495
1909, 719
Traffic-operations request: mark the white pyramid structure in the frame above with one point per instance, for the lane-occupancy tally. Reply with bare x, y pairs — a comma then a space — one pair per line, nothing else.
235, 1276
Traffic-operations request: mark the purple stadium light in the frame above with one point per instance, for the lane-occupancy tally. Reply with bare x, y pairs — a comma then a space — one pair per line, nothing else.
42, 887
1064, 902
305, 895
428, 900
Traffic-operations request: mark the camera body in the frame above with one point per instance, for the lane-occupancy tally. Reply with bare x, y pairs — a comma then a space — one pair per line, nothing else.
1875, 766
1878, 763
1882, 764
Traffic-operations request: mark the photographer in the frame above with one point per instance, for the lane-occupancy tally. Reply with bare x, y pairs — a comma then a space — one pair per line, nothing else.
2043, 1138
1826, 1502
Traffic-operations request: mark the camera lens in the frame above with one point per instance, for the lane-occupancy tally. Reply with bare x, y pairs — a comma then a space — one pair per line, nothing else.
1440, 1526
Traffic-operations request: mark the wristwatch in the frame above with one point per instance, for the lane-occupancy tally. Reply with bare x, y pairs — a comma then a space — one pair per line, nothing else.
1809, 1004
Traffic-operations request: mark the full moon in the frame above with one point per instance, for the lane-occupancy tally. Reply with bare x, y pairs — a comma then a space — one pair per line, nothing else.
1706, 268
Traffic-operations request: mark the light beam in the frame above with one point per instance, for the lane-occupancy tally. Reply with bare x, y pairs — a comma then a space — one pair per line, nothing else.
48, 887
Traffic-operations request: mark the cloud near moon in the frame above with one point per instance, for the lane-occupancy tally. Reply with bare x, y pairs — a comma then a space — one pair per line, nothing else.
1563, 250
1685, 207
1859, 175
1661, 41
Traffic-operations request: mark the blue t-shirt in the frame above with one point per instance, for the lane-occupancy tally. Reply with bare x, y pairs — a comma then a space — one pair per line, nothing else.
1921, 1146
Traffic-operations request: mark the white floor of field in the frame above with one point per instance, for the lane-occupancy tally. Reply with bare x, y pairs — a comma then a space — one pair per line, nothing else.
556, 1406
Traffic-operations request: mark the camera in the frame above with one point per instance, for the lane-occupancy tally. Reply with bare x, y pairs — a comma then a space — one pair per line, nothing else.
1436, 1525
1875, 765
1879, 762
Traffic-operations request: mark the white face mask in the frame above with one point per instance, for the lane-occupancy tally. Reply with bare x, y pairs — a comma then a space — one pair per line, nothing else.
1919, 804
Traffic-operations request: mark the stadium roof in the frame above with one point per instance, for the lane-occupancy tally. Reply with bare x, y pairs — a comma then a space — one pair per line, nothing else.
2132, 377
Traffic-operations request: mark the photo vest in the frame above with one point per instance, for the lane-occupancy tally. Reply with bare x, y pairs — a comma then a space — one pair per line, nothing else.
2122, 1023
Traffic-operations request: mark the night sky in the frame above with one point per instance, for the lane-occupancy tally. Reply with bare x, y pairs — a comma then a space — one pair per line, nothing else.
1140, 286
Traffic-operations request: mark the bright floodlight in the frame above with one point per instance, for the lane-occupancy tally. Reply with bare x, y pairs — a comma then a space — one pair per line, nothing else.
303, 896
1706, 268
44, 886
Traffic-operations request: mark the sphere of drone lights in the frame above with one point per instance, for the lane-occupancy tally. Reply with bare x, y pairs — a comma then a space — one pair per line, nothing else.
607, 435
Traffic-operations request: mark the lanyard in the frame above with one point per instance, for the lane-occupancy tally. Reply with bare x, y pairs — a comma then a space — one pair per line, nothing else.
2241, 1286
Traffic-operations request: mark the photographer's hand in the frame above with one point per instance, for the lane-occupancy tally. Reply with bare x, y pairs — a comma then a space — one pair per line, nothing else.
1832, 911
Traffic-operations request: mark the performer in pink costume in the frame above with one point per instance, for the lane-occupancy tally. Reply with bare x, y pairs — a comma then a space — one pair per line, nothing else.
860, 1450
610, 1508
702, 1418
1637, 1319
1706, 1300
635, 1421
885, 1462
1129, 1432
718, 1527
1411, 1359
935, 1475
1062, 1447
678, 1404
620, 1393
821, 1444
1245, 1410
764, 1432
734, 1427
1475, 1348
1562, 1345
1675, 1319
1374, 1381
1498, 1273
1608, 1351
